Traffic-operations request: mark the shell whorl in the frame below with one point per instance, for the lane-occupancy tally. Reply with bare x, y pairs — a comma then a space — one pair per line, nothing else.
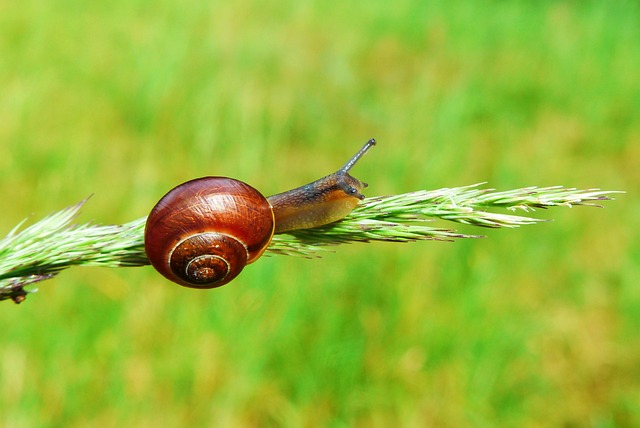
208, 259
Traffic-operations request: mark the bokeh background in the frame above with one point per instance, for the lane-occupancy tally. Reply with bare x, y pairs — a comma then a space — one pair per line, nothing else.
538, 326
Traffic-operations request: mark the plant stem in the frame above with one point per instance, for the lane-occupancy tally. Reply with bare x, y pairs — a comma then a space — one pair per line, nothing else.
40, 251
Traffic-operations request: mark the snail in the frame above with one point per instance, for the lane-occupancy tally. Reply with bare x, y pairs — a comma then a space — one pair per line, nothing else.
203, 232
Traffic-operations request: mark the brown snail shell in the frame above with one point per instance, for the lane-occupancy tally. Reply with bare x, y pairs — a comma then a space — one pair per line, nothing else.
203, 232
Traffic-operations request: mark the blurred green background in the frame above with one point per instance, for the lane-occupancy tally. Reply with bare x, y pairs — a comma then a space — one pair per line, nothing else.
538, 326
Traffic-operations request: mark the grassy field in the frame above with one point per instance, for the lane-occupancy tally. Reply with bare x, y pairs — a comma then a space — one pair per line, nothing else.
533, 327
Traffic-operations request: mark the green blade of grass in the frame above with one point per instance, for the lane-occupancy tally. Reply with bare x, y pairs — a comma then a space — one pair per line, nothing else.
54, 243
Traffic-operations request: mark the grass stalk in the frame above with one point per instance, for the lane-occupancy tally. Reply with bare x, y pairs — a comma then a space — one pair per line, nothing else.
38, 252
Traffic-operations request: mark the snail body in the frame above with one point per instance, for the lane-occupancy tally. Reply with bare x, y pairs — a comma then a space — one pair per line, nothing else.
203, 232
